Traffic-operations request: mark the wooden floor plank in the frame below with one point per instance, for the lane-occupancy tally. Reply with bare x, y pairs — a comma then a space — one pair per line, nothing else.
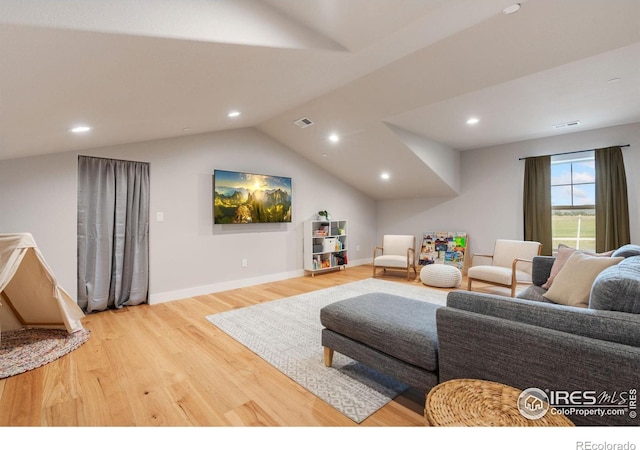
166, 365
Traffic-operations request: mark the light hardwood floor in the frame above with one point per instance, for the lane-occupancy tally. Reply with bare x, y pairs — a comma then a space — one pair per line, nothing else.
166, 365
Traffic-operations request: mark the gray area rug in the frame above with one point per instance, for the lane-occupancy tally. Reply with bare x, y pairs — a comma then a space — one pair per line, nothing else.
287, 334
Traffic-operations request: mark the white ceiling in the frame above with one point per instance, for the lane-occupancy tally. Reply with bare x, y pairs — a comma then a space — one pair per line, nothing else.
396, 79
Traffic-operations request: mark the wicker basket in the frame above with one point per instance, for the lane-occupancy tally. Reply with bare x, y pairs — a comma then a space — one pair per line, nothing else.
479, 403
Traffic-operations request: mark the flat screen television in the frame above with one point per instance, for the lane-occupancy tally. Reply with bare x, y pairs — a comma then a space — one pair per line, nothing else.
241, 197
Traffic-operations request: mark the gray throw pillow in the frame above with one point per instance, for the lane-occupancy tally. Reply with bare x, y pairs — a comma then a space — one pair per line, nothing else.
627, 250
617, 288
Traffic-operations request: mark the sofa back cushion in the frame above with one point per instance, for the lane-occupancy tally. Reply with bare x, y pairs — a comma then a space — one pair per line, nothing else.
617, 288
541, 268
613, 326
627, 250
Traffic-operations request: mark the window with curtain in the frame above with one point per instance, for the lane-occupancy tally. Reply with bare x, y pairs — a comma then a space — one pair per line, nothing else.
573, 201
578, 199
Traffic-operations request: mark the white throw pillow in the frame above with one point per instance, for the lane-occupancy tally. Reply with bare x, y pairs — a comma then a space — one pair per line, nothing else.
572, 284
563, 254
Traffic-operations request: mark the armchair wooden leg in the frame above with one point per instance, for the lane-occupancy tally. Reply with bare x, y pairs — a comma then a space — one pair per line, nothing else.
328, 356
469, 285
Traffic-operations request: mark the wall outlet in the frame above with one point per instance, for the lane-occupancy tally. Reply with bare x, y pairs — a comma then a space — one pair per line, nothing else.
243, 263
357, 248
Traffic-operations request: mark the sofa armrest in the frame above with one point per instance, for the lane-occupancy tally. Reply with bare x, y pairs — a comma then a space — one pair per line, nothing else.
473, 345
541, 269
613, 326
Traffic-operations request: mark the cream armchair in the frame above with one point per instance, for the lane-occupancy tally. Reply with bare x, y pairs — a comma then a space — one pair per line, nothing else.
397, 252
510, 264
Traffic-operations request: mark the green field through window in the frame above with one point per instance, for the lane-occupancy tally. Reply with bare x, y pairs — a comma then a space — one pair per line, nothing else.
577, 230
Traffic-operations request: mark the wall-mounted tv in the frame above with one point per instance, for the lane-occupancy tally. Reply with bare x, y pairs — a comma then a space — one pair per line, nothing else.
240, 197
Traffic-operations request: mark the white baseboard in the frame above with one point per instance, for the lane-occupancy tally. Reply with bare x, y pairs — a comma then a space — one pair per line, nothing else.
360, 262
162, 297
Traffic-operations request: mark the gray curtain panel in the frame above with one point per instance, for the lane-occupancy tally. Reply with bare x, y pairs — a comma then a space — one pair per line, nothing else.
612, 205
537, 202
113, 233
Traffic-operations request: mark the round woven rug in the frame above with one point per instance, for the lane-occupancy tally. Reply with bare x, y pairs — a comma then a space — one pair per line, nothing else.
23, 350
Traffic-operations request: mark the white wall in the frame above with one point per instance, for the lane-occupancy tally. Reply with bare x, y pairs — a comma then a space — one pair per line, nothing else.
490, 204
39, 195
189, 255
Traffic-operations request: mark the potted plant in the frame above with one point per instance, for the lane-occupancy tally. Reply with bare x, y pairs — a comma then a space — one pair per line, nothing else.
324, 214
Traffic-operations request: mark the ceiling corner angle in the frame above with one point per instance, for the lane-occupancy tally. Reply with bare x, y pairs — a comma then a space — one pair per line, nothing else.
441, 159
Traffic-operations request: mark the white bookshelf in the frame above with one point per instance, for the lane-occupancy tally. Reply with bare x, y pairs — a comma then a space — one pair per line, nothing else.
325, 245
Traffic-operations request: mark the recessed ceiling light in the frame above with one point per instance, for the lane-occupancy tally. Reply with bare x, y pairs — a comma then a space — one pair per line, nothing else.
334, 137
511, 9
233, 114
385, 175
472, 121
80, 129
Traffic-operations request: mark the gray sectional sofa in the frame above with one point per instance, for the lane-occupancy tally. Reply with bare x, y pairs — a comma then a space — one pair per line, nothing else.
530, 342
591, 354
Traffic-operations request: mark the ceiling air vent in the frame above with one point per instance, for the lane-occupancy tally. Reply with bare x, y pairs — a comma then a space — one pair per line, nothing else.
303, 122
567, 124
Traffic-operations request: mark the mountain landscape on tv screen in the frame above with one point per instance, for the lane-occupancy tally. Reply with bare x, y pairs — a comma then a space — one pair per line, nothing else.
248, 198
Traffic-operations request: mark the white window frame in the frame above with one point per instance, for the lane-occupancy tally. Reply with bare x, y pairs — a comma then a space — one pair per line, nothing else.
572, 158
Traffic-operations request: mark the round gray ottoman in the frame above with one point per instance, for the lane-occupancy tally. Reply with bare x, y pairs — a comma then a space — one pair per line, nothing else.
441, 275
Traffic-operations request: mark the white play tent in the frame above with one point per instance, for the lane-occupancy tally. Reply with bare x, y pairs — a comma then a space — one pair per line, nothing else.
30, 295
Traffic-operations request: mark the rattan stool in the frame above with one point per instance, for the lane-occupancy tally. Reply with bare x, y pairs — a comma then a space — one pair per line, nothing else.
479, 403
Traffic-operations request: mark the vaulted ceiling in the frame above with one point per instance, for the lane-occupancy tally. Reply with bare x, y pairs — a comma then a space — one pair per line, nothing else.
395, 80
